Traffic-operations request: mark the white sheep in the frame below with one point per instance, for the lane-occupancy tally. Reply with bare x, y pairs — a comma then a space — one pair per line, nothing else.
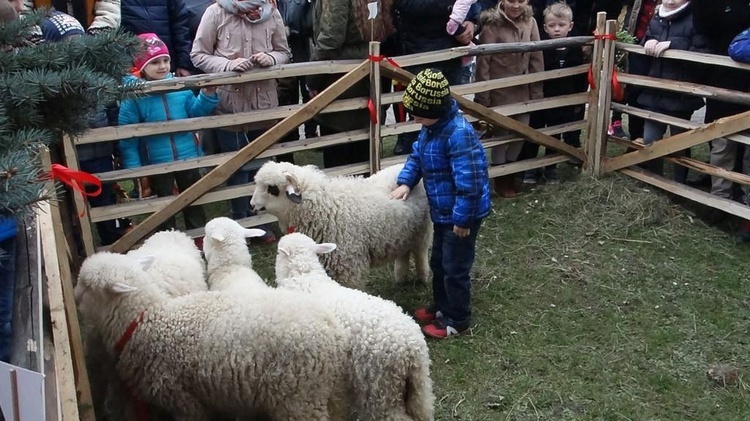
177, 260
353, 212
230, 265
212, 353
389, 359
181, 270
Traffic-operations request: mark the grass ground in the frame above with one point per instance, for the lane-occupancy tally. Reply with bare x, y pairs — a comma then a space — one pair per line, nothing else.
593, 300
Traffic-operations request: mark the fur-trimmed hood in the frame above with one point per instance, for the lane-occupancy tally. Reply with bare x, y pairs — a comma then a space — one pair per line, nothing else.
497, 15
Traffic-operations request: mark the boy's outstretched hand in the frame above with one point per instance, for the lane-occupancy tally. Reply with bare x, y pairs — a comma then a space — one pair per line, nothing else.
400, 193
461, 232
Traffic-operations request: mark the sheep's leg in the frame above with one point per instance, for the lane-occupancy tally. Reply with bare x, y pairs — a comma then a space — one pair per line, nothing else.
401, 269
421, 257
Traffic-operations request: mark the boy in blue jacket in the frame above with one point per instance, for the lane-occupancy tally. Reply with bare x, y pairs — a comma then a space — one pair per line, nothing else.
154, 64
450, 160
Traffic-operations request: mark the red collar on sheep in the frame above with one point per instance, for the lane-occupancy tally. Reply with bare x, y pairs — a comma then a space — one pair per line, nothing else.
129, 333
290, 229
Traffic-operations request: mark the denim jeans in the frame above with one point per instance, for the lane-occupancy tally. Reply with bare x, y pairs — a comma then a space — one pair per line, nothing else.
451, 262
231, 142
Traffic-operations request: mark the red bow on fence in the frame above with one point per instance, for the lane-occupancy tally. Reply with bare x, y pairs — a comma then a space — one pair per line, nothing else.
77, 180
370, 103
617, 91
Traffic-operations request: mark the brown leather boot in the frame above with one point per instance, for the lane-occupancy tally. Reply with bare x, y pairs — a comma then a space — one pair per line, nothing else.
504, 187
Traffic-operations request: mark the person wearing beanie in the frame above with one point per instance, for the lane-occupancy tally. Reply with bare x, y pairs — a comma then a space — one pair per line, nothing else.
154, 64
450, 161
58, 26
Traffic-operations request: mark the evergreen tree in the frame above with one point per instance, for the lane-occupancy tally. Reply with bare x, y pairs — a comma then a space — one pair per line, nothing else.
48, 90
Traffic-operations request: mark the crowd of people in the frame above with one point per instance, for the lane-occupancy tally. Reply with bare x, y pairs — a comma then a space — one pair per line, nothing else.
194, 36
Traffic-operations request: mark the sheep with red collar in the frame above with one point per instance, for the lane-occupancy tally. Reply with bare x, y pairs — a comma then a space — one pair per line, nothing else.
180, 270
353, 212
211, 353
389, 362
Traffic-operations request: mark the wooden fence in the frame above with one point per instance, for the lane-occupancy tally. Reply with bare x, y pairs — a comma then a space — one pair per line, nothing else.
597, 157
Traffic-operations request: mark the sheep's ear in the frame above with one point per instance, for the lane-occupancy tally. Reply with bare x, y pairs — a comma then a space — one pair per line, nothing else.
216, 236
121, 288
284, 251
254, 232
292, 188
145, 261
324, 248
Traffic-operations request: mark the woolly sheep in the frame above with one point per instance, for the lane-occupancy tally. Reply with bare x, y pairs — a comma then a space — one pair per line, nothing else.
177, 260
214, 352
353, 212
230, 265
182, 270
389, 359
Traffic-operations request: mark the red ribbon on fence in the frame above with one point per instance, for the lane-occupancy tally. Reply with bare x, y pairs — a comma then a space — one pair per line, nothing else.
77, 180
617, 91
370, 103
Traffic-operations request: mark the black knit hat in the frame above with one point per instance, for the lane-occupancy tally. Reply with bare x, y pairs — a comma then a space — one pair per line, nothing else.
428, 95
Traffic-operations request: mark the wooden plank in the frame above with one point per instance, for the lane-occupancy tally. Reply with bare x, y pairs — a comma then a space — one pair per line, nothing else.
699, 196
604, 99
265, 73
527, 164
27, 311
493, 117
105, 134
344, 66
84, 220
592, 114
688, 139
693, 164
726, 95
142, 207
64, 372
221, 173
376, 92
673, 121
328, 140
63, 280
692, 56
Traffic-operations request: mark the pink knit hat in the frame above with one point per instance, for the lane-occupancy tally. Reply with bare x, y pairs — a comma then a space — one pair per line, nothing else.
155, 48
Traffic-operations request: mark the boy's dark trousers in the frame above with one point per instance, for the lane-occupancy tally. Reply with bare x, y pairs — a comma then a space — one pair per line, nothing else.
451, 262
163, 185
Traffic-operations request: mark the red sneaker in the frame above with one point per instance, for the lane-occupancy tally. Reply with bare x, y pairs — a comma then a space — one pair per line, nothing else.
440, 330
426, 314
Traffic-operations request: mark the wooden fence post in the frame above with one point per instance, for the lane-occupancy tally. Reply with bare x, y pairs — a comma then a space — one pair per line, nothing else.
598, 138
593, 108
376, 92
84, 220
72, 375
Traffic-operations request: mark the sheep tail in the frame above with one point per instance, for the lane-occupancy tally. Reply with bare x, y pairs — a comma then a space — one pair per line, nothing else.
420, 402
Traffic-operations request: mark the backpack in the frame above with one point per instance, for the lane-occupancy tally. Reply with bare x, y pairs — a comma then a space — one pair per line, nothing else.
739, 49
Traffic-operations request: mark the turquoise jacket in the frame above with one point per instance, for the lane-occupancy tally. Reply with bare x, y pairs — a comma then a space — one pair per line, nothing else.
162, 107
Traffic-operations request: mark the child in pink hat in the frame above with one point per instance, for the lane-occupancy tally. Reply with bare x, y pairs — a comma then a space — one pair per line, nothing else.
154, 64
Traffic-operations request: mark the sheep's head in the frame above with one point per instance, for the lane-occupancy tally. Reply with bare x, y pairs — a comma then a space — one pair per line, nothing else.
277, 186
298, 254
105, 276
171, 241
226, 237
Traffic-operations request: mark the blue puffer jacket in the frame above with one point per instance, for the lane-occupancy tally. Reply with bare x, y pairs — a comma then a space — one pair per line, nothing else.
162, 107
451, 161
739, 49
169, 19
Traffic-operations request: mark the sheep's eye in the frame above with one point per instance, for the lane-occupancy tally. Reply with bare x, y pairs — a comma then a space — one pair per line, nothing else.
273, 190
